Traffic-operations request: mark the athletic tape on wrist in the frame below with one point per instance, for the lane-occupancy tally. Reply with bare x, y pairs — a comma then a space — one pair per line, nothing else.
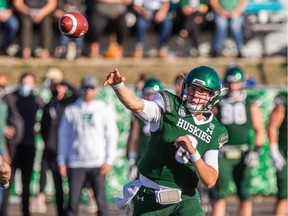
119, 85
195, 157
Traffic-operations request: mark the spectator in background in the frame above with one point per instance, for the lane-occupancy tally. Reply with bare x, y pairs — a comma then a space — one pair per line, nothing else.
139, 135
192, 16
35, 13
277, 135
9, 23
63, 94
87, 146
241, 115
152, 13
68, 48
23, 101
3, 130
178, 81
3, 84
138, 86
228, 15
5, 169
100, 15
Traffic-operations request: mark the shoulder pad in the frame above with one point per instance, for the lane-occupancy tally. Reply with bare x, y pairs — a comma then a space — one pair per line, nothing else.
168, 98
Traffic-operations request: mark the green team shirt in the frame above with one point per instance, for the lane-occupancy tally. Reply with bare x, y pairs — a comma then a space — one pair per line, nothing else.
281, 98
3, 4
229, 5
236, 117
183, 3
3, 119
159, 163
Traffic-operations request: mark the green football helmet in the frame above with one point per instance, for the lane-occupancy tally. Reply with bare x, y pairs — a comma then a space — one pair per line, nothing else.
206, 78
234, 74
151, 86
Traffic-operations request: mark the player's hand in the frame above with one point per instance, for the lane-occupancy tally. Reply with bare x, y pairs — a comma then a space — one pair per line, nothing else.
105, 169
185, 143
278, 162
133, 170
5, 171
9, 132
252, 158
63, 170
132, 173
5, 14
277, 158
114, 78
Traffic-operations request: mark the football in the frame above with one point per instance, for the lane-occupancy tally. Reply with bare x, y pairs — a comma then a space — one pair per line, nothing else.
73, 24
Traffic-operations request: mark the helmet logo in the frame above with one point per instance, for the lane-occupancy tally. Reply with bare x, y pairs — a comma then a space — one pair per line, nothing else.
156, 88
235, 78
197, 81
238, 76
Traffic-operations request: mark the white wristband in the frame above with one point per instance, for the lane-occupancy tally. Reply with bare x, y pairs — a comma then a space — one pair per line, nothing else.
195, 157
117, 86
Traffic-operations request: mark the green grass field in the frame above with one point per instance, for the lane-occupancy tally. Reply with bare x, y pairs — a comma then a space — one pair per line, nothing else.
271, 71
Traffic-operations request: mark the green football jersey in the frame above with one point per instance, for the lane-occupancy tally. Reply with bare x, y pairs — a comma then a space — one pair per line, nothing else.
160, 162
236, 117
229, 5
281, 98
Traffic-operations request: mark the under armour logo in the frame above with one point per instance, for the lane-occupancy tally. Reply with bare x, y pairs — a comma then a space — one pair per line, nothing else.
140, 198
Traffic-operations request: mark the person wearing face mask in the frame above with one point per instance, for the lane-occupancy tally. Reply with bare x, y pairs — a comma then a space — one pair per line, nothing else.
23, 106
63, 94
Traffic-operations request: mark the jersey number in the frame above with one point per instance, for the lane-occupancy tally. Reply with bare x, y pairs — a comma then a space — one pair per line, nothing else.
233, 114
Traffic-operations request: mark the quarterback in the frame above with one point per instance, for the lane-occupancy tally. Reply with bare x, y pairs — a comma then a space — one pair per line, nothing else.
184, 144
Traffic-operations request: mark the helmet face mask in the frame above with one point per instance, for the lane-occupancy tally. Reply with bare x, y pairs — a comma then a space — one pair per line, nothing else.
199, 98
201, 89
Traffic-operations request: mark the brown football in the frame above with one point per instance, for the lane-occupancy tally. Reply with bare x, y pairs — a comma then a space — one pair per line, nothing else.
73, 24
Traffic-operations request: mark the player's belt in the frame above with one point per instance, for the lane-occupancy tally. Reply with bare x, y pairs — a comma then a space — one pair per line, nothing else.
242, 148
233, 151
164, 195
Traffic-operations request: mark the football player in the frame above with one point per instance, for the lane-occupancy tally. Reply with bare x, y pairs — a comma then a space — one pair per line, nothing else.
183, 148
241, 115
140, 130
277, 135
